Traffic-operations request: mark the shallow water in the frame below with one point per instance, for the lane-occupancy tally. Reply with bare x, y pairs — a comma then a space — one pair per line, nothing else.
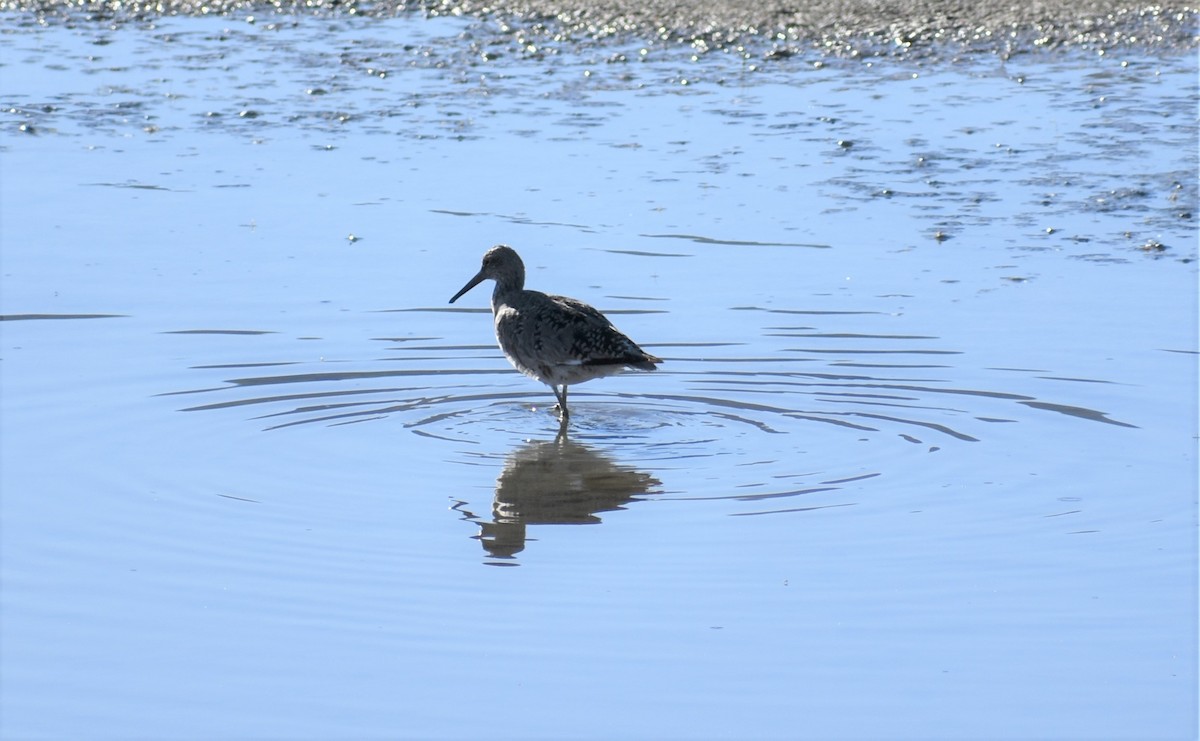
921, 460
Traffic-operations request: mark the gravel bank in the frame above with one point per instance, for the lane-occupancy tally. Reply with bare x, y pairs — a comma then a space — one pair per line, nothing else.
842, 24
845, 27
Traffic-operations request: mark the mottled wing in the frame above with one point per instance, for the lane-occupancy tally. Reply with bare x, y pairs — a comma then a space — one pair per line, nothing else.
597, 341
553, 331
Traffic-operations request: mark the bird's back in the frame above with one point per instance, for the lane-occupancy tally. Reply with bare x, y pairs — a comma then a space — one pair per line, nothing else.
562, 340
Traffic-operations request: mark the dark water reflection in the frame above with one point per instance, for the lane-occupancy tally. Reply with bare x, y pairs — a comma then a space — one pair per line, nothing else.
554, 482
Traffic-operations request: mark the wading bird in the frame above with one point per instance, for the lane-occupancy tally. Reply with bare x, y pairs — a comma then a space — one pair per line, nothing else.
559, 341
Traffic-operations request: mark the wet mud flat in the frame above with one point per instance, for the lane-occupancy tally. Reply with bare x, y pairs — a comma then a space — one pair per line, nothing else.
776, 28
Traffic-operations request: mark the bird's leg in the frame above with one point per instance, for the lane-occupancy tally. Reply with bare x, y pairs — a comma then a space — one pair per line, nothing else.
563, 414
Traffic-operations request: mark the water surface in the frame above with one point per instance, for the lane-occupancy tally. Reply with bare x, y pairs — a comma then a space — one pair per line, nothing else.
921, 460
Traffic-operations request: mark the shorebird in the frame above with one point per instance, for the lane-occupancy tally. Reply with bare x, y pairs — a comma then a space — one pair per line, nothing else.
559, 341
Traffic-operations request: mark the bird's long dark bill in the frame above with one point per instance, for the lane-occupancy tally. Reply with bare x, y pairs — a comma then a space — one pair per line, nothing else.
470, 284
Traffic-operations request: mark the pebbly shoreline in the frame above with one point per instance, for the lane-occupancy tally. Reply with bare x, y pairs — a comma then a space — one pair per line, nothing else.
841, 27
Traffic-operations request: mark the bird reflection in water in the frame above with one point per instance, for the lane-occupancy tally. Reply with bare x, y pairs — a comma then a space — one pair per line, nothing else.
554, 482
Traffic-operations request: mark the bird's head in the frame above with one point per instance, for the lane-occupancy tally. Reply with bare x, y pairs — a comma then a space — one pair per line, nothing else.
501, 264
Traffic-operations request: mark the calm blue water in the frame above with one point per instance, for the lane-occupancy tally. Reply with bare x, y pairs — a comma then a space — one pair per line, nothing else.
921, 461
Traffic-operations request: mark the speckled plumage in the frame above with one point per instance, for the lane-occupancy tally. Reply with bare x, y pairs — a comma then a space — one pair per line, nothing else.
559, 341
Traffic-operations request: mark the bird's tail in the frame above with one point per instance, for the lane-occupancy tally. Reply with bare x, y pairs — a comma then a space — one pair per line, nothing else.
646, 363
642, 361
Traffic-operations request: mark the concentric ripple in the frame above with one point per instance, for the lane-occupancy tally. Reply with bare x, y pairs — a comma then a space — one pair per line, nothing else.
797, 420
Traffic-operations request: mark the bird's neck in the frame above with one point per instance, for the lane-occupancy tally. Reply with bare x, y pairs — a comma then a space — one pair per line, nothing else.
503, 294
